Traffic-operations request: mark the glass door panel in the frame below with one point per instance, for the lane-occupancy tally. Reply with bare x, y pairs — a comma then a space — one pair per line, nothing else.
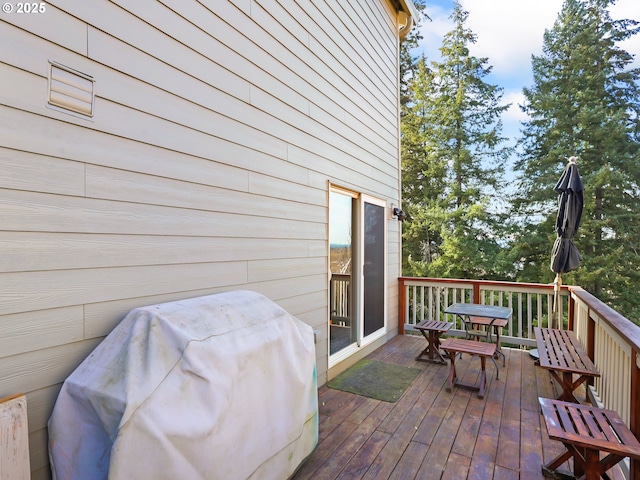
374, 267
342, 324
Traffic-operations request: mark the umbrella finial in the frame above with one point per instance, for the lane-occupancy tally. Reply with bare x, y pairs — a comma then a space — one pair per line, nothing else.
573, 160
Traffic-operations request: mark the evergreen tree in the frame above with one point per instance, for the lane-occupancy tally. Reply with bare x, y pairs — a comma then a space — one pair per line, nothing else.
407, 61
413, 74
584, 102
424, 175
452, 161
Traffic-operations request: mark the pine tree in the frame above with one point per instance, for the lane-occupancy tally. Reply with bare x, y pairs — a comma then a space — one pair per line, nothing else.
452, 161
407, 61
419, 182
584, 102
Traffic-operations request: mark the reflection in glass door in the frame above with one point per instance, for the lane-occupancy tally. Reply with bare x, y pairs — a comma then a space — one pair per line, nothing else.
342, 324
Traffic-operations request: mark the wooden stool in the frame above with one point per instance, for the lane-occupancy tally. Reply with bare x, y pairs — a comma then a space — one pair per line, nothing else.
432, 330
585, 432
481, 349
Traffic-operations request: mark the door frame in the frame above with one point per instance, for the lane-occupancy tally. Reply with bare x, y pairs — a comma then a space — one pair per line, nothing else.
358, 274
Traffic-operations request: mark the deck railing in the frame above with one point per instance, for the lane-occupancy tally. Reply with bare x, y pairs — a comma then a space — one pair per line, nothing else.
611, 340
340, 298
532, 304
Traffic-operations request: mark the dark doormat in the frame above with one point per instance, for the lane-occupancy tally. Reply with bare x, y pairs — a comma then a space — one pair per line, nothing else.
373, 379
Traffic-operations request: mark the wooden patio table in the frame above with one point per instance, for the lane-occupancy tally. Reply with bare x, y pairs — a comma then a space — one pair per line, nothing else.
585, 432
432, 330
561, 353
490, 317
459, 345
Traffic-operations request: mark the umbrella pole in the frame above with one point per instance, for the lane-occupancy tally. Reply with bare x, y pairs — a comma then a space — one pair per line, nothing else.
556, 300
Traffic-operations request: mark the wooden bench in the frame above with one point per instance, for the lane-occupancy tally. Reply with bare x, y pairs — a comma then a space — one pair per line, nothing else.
483, 350
585, 432
562, 354
432, 330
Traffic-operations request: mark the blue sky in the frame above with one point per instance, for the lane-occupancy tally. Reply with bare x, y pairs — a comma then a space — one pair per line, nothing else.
508, 33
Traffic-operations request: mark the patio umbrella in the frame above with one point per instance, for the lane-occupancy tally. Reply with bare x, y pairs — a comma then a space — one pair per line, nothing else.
565, 256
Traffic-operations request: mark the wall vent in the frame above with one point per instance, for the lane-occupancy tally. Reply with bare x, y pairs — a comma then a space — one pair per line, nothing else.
71, 90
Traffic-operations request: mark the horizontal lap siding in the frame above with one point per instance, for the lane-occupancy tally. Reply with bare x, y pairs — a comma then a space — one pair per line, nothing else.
217, 127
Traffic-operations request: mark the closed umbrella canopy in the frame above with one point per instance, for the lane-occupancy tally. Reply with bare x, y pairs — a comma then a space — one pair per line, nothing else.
565, 256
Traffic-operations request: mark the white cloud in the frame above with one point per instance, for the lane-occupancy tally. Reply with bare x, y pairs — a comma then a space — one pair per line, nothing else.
433, 31
629, 9
510, 31
513, 113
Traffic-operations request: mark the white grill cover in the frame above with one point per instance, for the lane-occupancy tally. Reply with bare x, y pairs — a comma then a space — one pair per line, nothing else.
216, 387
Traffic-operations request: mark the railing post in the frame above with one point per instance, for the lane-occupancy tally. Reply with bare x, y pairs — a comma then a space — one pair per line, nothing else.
634, 417
476, 292
572, 312
402, 306
591, 342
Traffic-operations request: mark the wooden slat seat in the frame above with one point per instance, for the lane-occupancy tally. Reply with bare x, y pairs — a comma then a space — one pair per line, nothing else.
585, 432
432, 330
562, 354
483, 350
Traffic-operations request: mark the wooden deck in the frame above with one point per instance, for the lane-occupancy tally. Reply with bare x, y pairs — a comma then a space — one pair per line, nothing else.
430, 433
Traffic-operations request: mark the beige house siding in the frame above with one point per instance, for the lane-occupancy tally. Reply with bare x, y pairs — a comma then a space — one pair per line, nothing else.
218, 127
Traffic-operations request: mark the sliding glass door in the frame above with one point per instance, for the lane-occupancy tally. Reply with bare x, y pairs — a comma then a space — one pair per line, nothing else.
374, 267
357, 284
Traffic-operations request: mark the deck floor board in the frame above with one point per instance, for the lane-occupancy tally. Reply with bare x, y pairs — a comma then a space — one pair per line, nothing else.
430, 433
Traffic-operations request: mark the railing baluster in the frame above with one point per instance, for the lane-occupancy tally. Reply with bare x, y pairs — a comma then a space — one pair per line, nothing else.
510, 305
413, 305
431, 304
520, 330
529, 315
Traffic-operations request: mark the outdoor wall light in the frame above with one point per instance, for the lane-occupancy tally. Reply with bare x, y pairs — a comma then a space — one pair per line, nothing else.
399, 214
403, 21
